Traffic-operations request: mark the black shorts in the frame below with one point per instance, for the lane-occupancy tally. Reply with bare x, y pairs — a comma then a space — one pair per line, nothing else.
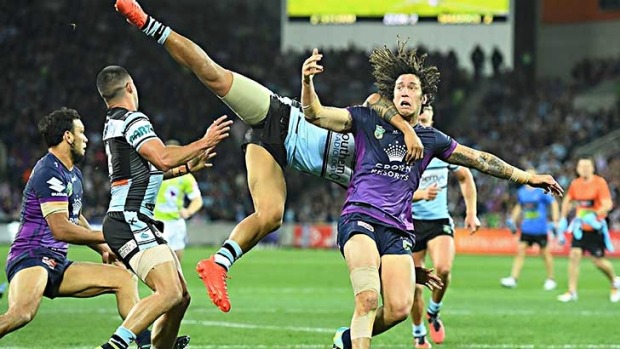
272, 131
389, 240
592, 242
531, 239
55, 264
427, 230
127, 233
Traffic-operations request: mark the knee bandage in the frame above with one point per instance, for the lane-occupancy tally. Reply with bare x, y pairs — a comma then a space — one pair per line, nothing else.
364, 279
248, 99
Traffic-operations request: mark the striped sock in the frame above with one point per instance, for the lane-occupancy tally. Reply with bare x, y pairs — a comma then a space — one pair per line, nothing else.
122, 338
228, 254
156, 29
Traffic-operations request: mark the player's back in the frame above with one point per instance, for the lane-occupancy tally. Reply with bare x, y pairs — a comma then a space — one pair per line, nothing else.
534, 205
134, 181
51, 188
317, 151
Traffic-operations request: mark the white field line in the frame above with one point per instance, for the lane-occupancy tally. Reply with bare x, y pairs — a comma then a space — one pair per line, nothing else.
447, 311
259, 327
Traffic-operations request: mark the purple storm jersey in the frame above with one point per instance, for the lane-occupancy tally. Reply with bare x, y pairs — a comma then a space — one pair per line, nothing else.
383, 184
51, 188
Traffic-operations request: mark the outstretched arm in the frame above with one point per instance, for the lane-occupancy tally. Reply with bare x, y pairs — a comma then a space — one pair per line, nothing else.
330, 118
496, 167
388, 112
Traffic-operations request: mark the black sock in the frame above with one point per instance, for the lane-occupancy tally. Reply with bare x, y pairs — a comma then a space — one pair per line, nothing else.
144, 338
346, 339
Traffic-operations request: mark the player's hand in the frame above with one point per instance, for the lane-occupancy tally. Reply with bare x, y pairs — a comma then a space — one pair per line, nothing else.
311, 66
218, 130
510, 224
415, 148
107, 256
547, 183
561, 239
132, 11
472, 223
427, 278
202, 161
430, 193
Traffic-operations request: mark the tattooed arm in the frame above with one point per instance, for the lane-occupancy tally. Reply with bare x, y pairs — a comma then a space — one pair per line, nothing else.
496, 167
387, 111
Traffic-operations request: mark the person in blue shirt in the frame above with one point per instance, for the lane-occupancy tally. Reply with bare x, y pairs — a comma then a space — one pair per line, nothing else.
375, 229
434, 233
532, 209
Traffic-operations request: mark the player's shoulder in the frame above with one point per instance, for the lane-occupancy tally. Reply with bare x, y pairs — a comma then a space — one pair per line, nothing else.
363, 111
600, 179
47, 164
427, 131
432, 136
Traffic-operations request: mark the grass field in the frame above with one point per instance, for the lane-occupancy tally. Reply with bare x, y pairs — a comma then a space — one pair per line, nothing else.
297, 298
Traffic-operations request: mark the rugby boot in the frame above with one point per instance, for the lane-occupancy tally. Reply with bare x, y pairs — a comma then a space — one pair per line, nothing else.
214, 277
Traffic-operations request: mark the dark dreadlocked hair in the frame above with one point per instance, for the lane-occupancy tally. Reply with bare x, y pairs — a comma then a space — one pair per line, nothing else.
387, 67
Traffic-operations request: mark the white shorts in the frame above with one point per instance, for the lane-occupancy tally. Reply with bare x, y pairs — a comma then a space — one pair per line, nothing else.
175, 233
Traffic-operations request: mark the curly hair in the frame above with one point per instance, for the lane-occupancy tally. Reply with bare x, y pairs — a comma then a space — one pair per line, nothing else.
387, 67
54, 125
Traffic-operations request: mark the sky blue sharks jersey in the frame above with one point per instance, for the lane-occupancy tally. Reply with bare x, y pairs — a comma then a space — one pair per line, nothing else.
436, 173
317, 151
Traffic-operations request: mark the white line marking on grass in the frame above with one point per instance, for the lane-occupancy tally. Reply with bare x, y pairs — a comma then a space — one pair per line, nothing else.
258, 327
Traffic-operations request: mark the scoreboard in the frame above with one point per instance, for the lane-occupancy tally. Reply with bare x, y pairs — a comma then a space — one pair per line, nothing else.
397, 12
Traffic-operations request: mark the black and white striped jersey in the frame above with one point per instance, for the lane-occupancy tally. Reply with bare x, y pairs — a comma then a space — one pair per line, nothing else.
134, 181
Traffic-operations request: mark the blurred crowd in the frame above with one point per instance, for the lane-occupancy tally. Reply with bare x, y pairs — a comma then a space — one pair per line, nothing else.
58, 47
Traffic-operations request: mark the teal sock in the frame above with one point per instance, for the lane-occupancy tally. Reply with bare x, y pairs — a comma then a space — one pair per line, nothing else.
122, 337
419, 330
228, 254
433, 308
